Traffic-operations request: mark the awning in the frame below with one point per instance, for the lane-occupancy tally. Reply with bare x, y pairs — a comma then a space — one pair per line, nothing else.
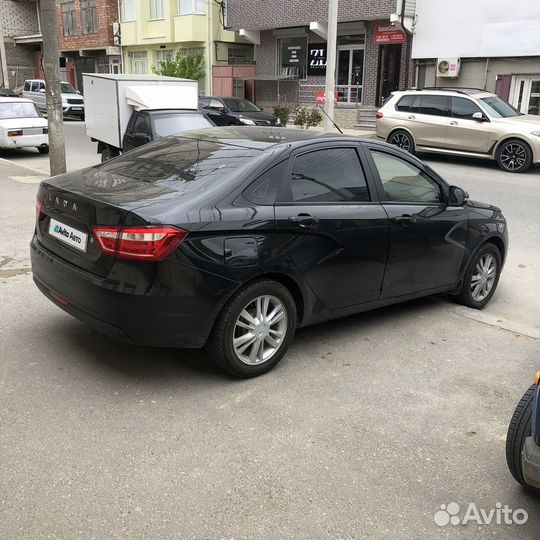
267, 78
34, 38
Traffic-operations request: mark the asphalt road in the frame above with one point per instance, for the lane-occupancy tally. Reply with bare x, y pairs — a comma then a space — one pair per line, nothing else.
364, 430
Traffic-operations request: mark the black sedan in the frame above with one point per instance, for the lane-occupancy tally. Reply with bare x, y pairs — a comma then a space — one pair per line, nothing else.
233, 111
232, 238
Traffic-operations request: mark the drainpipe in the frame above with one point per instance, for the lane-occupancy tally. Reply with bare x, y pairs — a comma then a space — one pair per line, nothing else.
486, 73
120, 31
209, 50
3, 58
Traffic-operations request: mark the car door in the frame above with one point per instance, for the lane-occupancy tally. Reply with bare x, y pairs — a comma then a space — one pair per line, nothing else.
427, 236
40, 95
336, 231
138, 132
427, 119
464, 132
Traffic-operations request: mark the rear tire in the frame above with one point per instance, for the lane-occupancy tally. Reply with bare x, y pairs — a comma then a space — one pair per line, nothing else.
245, 341
402, 139
519, 429
43, 149
108, 153
479, 282
514, 156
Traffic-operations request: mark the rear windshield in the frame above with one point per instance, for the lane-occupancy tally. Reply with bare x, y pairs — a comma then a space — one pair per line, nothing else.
16, 109
498, 108
169, 124
174, 165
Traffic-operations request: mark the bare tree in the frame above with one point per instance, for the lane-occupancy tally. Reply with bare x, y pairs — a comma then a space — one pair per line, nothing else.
51, 67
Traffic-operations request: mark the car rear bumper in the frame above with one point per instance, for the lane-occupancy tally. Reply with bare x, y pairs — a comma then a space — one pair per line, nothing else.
24, 141
531, 463
152, 316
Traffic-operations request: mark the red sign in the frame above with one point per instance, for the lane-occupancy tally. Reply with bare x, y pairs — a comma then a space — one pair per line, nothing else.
321, 98
386, 33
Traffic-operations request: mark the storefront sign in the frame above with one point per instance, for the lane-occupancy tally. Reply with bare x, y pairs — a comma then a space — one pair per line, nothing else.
321, 98
316, 59
293, 52
386, 33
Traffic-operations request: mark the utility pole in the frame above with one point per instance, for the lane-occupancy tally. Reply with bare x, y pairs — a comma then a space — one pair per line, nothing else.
331, 64
51, 67
3, 59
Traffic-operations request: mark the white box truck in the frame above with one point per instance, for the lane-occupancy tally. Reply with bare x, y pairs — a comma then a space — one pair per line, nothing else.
126, 111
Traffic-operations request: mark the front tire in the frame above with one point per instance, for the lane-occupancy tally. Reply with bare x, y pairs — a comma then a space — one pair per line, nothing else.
519, 429
481, 278
402, 139
108, 153
514, 156
254, 329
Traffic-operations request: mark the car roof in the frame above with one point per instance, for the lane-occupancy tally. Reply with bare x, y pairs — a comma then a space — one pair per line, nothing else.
263, 138
447, 91
15, 100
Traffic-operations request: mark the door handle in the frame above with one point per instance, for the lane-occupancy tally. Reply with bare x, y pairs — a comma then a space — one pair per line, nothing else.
406, 220
453, 123
304, 220
411, 117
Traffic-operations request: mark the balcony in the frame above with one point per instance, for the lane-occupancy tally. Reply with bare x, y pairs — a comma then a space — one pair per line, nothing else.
190, 28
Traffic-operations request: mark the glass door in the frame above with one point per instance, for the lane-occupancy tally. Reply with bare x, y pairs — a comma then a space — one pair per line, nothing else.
528, 95
349, 74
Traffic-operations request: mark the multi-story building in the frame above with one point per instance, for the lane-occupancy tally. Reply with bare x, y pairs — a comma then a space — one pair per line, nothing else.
482, 44
86, 32
152, 30
20, 41
373, 51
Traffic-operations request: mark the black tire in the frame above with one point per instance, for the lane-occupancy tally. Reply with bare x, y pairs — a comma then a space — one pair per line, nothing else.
43, 149
220, 344
402, 139
465, 295
108, 153
519, 429
514, 156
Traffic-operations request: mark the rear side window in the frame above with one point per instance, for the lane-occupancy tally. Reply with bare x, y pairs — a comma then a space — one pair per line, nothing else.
265, 189
434, 105
328, 175
406, 104
464, 108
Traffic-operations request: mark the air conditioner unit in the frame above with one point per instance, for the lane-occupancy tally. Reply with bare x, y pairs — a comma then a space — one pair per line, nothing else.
448, 67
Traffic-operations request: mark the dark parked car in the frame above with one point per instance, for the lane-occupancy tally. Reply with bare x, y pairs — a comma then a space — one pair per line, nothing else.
234, 237
523, 439
230, 111
6, 92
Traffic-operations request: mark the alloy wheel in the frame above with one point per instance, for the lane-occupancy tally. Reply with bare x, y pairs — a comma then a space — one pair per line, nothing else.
513, 156
401, 140
260, 330
483, 277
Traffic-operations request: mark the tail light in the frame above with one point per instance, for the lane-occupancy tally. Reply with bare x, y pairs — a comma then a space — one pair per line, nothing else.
379, 115
14, 133
39, 208
153, 243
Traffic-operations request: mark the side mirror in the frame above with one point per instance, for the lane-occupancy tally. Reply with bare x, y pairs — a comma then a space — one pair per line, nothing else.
479, 116
42, 90
457, 196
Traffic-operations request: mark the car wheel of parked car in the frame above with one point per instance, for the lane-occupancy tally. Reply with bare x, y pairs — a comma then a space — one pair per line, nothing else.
108, 153
402, 139
43, 149
519, 429
254, 329
514, 156
481, 277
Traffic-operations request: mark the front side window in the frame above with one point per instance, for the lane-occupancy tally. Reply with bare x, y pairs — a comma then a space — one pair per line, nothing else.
138, 62
329, 175
498, 108
191, 7
69, 21
292, 54
89, 17
141, 125
464, 108
156, 9
128, 10
403, 182
433, 105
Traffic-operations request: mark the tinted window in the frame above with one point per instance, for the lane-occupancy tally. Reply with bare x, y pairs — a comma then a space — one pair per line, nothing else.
403, 182
169, 124
405, 103
434, 105
26, 86
265, 189
140, 125
240, 105
329, 175
464, 108
41, 86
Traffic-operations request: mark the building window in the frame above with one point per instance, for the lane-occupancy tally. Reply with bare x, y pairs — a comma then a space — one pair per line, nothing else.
69, 21
163, 54
156, 9
89, 17
129, 10
138, 62
191, 7
292, 57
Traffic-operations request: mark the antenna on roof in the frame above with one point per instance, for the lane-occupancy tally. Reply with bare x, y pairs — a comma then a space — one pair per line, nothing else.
331, 120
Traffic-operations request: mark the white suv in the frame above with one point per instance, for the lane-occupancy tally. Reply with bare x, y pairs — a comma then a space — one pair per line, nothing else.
461, 121
72, 101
